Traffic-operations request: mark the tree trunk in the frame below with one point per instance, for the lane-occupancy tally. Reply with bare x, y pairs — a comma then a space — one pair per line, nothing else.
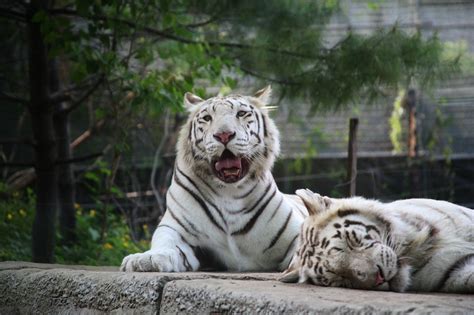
41, 110
66, 182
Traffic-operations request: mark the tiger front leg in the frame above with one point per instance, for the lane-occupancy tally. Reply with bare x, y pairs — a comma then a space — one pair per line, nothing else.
460, 278
168, 253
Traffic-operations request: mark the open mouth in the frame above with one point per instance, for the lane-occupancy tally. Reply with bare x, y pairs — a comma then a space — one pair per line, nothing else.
230, 168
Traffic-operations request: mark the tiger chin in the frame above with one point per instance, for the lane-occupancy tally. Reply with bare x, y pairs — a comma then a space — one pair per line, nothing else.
224, 210
407, 245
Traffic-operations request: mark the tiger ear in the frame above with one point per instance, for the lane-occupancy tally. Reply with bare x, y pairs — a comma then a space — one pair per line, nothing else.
190, 100
264, 94
315, 203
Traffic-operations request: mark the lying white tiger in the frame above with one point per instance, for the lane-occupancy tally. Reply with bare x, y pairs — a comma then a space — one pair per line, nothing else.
415, 244
224, 209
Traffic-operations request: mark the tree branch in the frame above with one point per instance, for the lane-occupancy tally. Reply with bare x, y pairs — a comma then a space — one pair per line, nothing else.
80, 159
28, 141
12, 98
17, 164
13, 15
164, 34
260, 76
63, 96
59, 97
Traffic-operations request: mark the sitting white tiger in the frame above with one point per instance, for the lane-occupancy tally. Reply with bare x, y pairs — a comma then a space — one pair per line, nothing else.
224, 210
414, 244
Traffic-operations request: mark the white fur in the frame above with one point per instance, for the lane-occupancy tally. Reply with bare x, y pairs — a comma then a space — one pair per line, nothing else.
219, 235
425, 240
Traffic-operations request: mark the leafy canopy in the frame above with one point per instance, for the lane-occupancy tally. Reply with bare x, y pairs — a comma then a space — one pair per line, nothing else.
158, 49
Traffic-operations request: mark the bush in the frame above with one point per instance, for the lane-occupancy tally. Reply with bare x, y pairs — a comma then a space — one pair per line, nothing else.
95, 245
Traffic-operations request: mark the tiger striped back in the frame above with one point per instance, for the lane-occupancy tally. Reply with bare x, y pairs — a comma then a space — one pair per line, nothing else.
224, 209
414, 244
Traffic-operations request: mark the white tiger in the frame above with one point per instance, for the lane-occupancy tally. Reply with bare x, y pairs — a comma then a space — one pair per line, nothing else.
224, 210
414, 244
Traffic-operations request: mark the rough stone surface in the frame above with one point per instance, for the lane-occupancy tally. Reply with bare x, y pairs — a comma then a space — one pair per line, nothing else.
269, 297
60, 289
27, 288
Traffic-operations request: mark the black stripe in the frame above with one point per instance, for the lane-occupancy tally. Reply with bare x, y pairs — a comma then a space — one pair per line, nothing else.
277, 208
201, 203
256, 136
279, 233
194, 130
252, 221
202, 195
267, 189
354, 236
181, 223
182, 207
247, 193
258, 123
448, 273
337, 235
264, 127
289, 248
186, 263
172, 228
345, 212
368, 227
324, 242
207, 185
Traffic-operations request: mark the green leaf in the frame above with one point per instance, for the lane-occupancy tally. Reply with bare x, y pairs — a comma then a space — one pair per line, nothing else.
94, 234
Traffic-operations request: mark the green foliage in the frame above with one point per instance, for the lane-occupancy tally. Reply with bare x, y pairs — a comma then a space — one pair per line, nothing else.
434, 141
16, 220
459, 51
91, 249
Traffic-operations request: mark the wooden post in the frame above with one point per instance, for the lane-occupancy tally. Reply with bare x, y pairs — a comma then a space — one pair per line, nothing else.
352, 156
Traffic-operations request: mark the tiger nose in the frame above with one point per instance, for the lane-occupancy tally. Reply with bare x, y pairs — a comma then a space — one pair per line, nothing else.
224, 137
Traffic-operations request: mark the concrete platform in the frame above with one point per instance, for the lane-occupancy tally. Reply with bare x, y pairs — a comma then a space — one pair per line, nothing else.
27, 288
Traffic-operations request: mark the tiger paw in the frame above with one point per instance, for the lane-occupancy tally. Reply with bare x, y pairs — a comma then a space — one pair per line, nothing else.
163, 261
401, 281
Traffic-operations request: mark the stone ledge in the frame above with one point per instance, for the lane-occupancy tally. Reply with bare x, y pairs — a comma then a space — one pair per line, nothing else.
249, 297
59, 289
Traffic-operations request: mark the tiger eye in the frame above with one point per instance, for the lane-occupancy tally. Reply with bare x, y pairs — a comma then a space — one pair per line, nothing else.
241, 113
207, 118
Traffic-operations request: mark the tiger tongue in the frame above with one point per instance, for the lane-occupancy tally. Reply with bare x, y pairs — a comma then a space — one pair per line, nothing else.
228, 163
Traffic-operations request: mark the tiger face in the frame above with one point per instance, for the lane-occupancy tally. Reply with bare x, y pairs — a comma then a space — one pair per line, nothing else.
339, 248
229, 137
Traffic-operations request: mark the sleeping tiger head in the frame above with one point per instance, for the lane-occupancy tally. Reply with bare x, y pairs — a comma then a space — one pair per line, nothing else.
229, 138
340, 247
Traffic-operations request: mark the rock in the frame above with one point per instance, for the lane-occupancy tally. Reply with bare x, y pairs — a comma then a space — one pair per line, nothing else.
269, 297
58, 289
